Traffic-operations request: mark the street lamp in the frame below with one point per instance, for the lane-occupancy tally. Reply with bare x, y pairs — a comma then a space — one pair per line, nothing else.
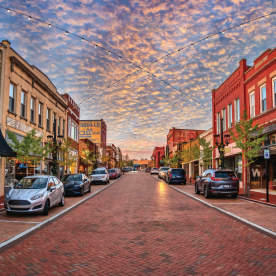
220, 144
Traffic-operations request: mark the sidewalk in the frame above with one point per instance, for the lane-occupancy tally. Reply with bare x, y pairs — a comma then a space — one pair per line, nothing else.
260, 214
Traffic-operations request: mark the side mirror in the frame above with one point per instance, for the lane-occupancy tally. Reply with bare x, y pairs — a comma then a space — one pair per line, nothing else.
52, 188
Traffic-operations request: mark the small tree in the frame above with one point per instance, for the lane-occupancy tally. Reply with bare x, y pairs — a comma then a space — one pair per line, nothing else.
249, 139
68, 157
207, 152
30, 149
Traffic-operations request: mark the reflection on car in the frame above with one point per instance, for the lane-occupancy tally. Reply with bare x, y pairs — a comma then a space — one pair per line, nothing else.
217, 182
76, 184
34, 194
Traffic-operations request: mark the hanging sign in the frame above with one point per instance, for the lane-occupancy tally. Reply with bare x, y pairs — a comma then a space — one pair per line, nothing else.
266, 154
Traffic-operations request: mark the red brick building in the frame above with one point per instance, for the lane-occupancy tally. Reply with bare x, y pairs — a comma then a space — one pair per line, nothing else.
157, 155
251, 89
177, 136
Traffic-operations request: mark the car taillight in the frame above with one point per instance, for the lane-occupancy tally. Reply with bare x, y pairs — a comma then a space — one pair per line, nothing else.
235, 178
170, 175
213, 178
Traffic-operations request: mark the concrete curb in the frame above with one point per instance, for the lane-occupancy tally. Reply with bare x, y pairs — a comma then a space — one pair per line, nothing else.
247, 222
27, 232
256, 201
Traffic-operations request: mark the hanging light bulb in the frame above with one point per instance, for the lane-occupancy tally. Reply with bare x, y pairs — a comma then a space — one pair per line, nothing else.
49, 25
8, 11
66, 33
29, 18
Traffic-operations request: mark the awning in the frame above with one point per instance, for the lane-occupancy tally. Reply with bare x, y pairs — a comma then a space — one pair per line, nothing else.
5, 149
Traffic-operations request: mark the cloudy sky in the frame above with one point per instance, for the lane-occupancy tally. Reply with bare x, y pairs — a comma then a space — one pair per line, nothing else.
143, 66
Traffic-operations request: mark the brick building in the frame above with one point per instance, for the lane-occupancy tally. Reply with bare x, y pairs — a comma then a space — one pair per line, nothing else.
157, 155
177, 136
251, 89
28, 100
84, 165
73, 119
111, 152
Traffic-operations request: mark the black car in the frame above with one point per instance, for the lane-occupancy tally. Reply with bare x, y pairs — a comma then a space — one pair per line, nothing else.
176, 176
76, 184
217, 182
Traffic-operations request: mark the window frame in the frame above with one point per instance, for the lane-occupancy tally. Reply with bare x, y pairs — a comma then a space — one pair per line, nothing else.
252, 93
261, 99
32, 110
223, 116
237, 114
23, 109
48, 119
274, 91
40, 114
218, 122
229, 115
13, 98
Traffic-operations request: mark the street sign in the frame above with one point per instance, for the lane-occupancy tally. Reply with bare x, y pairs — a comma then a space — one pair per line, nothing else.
266, 154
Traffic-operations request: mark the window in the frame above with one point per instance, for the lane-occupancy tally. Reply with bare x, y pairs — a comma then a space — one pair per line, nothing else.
48, 117
63, 128
224, 119
218, 123
54, 123
237, 110
263, 98
274, 91
40, 111
32, 109
12, 98
23, 104
229, 115
252, 104
59, 126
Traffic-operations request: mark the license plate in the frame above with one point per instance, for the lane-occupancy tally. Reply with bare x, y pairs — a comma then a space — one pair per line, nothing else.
226, 186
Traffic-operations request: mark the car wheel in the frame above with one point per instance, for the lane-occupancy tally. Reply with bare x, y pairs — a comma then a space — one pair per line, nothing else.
46, 208
196, 189
61, 203
89, 189
206, 192
8, 213
234, 195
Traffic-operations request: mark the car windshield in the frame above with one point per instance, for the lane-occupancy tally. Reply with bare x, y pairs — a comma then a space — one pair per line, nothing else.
111, 171
154, 168
72, 177
224, 174
164, 169
31, 183
99, 172
178, 172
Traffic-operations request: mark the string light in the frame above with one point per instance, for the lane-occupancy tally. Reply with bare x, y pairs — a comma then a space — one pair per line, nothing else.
49, 25
29, 18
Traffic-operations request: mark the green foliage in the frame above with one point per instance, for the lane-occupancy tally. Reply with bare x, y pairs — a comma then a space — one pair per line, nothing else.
68, 158
30, 149
248, 138
89, 159
190, 154
207, 152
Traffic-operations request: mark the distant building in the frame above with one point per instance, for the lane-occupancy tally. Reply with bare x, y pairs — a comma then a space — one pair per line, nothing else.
73, 120
111, 155
157, 155
177, 136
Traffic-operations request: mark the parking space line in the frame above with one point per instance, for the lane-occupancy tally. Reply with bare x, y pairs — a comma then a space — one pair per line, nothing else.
18, 221
39, 225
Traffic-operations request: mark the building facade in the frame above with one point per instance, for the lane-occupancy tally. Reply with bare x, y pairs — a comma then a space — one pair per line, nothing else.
73, 120
208, 137
177, 136
250, 89
157, 155
111, 154
29, 101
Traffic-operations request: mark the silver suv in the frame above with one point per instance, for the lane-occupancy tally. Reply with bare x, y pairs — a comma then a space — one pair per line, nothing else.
100, 175
32, 194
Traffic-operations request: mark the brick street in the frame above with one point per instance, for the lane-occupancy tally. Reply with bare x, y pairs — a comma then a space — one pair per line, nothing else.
139, 226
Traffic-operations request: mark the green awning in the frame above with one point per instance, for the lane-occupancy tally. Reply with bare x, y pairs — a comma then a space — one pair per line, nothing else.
5, 149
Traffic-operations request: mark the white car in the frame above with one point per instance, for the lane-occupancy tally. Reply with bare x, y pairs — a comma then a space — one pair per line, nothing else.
99, 176
154, 171
162, 172
32, 194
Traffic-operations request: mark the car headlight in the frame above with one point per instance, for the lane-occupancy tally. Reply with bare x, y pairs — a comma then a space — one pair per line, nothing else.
36, 196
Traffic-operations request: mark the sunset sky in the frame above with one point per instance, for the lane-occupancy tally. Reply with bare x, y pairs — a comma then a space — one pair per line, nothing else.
154, 67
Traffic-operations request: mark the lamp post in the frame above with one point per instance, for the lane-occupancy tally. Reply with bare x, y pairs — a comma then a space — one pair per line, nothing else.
56, 146
219, 141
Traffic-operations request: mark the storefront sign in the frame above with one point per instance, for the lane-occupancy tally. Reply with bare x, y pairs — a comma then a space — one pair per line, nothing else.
91, 130
266, 154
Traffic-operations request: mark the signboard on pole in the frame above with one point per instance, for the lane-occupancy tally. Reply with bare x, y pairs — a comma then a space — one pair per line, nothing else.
266, 154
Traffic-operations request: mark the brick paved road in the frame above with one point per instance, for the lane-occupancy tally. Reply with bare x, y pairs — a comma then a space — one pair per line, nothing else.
141, 227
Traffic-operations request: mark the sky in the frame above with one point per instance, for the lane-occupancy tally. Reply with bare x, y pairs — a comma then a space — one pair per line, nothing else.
142, 66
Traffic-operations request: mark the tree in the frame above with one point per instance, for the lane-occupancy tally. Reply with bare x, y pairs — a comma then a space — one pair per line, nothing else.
206, 152
68, 157
249, 139
89, 159
30, 149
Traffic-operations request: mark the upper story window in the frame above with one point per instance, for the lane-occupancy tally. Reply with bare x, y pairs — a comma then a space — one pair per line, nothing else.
252, 104
59, 126
48, 118
32, 110
23, 104
263, 98
274, 91
237, 110
40, 112
73, 129
63, 127
229, 115
218, 123
223, 119
54, 123
12, 97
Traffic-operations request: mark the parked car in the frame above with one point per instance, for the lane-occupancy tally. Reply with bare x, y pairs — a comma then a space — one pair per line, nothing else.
176, 176
162, 172
148, 169
100, 176
35, 194
217, 182
112, 174
76, 184
118, 171
154, 171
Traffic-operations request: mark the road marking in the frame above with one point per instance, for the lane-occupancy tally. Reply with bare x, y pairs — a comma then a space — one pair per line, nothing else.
252, 224
18, 221
39, 225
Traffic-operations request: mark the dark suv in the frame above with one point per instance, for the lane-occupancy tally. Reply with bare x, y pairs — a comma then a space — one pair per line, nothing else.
217, 182
176, 176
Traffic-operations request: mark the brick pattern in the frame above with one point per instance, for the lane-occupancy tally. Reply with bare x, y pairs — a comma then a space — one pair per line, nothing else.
141, 227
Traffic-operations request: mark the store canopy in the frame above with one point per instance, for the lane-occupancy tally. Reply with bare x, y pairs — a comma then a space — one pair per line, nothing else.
5, 149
